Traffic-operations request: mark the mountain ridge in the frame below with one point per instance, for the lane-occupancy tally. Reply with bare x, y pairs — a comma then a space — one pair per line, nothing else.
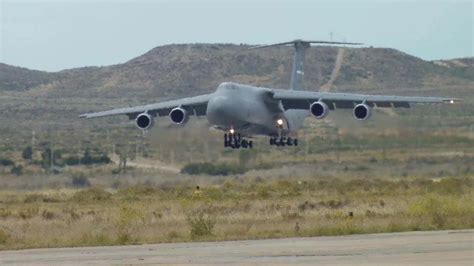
188, 69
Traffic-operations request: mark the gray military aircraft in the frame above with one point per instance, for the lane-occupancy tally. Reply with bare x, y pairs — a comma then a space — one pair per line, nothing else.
243, 111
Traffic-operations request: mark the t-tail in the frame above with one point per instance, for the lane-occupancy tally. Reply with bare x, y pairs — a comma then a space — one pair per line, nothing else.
297, 74
296, 117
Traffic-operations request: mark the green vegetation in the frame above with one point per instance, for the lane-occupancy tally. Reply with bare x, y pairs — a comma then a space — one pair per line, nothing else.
6, 162
202, 223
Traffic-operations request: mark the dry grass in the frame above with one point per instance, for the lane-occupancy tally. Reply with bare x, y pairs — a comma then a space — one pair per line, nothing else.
233, 210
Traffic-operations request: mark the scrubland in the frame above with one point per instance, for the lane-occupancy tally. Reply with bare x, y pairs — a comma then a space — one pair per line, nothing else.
236, 209
411, 171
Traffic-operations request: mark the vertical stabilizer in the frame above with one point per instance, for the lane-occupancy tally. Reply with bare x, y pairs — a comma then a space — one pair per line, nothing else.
297, 75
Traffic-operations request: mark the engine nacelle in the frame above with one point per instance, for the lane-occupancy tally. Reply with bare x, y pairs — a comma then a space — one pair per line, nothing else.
319, 109
179, 116
144, 121
362, 112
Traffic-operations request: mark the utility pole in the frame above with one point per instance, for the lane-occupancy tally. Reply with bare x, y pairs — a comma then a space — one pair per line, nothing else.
107, 138
307, 145
206, 149
33, 141
136, 150
52, 155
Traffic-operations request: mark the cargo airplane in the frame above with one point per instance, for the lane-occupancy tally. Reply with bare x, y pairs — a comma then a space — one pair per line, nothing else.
243, 111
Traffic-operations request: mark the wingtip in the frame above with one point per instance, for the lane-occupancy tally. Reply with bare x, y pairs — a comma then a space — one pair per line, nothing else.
452, 101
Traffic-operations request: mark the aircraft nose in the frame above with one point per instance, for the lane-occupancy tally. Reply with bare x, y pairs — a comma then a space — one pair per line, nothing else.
217, 106
221, 111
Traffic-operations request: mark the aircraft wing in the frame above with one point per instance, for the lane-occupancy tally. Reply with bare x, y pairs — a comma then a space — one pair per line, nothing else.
194, 105
302, 99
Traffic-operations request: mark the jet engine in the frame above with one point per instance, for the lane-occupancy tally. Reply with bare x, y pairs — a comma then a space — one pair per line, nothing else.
362, 111
144, 121
179, 116
319, 109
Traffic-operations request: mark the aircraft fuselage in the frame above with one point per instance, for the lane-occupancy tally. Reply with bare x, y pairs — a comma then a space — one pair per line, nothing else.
246, 109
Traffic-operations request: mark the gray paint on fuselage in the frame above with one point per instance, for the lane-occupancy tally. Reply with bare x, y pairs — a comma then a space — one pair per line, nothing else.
250, 110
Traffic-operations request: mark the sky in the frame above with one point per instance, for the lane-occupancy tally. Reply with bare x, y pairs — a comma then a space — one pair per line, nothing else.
54, 35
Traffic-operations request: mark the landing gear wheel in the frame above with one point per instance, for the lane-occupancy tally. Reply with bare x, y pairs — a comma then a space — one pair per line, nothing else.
245, 144
226, 141
235, 141
282, 142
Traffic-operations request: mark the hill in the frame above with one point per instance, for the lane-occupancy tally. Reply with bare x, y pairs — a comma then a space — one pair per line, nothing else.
189, 69
19, 79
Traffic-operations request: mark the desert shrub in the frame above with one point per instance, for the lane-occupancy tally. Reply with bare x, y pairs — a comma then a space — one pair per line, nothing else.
307, 205
246, 156
48, 215
441, 208
214, 193
89, 159
128, 221
91, 194
40, 198
4, 237
172, 234
370, 214
264, 166
4, 213
17, 170
46, 158
6, 162
202, 223
72, 160
333, 204
95, 239
287, 215
27, 153
74, 215
263, 191
452, 185
287, 188
35, 197
28, 213
137, 191
212, 169
80, 180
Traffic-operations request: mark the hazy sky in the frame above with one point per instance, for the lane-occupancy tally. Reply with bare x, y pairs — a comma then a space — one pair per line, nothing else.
54, 35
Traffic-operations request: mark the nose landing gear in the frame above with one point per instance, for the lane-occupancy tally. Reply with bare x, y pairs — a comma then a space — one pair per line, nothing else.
235, 141
282, 141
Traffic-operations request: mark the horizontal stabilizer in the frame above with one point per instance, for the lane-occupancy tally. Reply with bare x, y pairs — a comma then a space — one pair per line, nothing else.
295, 42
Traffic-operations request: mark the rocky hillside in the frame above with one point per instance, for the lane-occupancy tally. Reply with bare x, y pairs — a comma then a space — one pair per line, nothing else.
190, 69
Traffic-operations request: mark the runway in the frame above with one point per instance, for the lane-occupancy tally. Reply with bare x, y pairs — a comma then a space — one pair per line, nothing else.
411, 248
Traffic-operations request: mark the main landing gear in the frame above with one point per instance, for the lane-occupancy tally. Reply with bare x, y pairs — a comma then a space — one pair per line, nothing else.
282, 141
235, 141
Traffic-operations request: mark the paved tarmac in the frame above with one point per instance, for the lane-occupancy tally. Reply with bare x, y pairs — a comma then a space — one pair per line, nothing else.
412, 248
